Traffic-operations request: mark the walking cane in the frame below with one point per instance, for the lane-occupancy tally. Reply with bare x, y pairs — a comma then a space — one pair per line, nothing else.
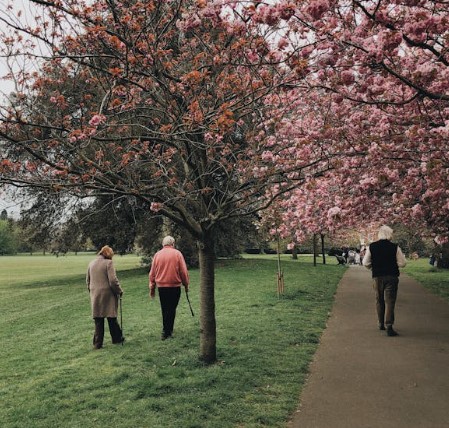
190, 305
121, 319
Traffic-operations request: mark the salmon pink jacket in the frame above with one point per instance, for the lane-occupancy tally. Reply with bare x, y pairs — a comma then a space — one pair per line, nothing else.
168, 269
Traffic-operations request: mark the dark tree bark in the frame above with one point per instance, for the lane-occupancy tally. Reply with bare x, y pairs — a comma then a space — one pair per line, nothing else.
322, 249
208, 335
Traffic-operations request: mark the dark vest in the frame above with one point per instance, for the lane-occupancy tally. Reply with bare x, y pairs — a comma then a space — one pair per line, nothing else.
383, 258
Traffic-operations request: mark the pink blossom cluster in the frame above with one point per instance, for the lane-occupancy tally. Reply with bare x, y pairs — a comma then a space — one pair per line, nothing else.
97, 120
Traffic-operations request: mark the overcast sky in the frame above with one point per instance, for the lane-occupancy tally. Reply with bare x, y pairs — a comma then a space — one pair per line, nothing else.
25, 17
6, 87
10, 206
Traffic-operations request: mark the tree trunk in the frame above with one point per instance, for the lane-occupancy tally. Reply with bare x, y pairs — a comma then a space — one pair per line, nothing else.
294, 253
322, 249
443, 257
314, 249
208, 334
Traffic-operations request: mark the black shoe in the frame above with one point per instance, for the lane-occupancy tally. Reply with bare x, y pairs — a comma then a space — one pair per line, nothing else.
391, 332
122, 340
381, 327
165, 336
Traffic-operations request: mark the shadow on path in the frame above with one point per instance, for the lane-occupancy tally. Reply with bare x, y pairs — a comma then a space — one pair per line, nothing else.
360, 378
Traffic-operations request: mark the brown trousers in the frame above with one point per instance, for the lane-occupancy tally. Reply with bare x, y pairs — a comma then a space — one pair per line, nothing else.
386, 291
114, 330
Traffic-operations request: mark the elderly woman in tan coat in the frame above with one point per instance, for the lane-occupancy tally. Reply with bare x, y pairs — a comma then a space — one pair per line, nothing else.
104, 289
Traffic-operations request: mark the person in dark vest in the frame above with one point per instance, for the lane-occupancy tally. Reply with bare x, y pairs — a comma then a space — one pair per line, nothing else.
384, 258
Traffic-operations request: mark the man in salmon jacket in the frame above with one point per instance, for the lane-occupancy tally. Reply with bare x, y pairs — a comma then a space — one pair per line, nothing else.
168, 273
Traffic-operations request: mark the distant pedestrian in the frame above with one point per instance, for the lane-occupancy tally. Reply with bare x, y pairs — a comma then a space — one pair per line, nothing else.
357, 259
351, 257
168, 273
104, 289
385, 258
362, 254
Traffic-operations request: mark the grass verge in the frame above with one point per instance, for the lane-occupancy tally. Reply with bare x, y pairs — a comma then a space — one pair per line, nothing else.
434, 279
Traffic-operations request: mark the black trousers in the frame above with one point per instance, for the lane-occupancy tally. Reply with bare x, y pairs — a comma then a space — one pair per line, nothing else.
114, 330
169, 298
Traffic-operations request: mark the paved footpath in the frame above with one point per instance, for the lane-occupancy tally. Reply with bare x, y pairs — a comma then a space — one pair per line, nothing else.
360, 378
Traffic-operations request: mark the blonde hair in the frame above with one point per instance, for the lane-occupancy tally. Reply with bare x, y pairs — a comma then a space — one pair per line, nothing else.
385, 232
106, 252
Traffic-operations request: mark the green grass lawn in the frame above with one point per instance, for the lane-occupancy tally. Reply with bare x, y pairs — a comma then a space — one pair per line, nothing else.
51, 376
434, 279
25, 269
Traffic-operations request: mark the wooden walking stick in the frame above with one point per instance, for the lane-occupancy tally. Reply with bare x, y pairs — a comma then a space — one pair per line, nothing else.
280, 289
190, 305
121, 319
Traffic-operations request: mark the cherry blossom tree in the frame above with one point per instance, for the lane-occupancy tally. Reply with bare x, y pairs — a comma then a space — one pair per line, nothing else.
390, 60
381, 70
174, 103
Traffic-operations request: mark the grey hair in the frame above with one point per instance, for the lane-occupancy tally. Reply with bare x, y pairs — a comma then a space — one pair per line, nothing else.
385, 232
168, 240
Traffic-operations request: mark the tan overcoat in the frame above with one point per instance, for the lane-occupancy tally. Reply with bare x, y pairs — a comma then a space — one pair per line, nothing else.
104, 287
